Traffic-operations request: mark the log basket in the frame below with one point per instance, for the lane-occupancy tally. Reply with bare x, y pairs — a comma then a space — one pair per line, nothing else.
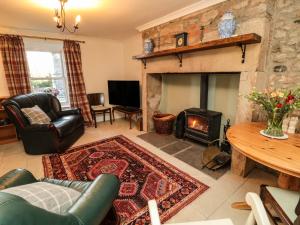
163, 123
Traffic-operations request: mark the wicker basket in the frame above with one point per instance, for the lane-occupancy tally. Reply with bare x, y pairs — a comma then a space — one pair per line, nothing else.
163, 123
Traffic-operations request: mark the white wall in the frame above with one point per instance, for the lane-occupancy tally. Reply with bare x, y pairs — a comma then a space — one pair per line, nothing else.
132, 68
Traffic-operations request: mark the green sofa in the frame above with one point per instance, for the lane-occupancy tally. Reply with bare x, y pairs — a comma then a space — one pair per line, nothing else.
91, 208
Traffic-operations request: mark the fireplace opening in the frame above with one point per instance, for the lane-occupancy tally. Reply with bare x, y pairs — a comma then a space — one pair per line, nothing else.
197, 123
202, 125
204, 101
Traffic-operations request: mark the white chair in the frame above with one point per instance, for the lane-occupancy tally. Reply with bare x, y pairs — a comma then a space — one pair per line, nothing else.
258, 214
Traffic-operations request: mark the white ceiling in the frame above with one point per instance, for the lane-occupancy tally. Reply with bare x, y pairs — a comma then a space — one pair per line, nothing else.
114, 19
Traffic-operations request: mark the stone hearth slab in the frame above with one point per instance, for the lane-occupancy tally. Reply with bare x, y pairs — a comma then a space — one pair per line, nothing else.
188, 151
176, 147
158, 140
193, 157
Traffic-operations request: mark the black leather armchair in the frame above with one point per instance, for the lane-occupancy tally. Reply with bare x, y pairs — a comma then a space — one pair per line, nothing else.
65, 127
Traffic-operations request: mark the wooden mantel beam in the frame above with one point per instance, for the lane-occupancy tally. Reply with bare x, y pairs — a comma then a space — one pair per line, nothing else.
240, 40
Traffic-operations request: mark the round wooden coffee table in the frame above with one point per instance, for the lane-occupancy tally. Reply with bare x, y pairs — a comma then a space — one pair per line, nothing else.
282, 155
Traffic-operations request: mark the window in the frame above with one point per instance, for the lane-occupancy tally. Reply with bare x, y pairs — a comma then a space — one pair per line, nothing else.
47, 73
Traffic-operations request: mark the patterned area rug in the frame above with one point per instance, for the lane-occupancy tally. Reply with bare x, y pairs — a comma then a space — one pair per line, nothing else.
143, 176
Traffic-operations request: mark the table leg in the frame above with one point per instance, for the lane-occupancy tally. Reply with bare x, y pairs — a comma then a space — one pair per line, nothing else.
288, 182
240, 164
130, 117
113, 114
95, 119
104, 116
110, 116
141, 124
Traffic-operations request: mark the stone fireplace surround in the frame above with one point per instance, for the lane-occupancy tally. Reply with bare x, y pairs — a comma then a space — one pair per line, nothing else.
227, 60
255, 16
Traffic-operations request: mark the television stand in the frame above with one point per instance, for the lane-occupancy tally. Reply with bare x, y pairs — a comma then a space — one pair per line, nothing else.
128, 111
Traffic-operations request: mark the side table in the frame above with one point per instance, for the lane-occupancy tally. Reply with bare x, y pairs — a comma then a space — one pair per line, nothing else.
128, 112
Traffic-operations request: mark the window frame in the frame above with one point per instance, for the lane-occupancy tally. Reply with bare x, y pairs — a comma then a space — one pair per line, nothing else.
50, 76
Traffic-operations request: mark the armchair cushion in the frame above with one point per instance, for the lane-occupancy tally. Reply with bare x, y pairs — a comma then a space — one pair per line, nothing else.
67, 112
66, 125
36, 115
51, 197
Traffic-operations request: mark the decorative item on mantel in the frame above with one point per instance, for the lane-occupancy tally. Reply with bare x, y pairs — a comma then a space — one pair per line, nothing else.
202, 33
181, 39
203, 27
148, 45
277, 104
227, 25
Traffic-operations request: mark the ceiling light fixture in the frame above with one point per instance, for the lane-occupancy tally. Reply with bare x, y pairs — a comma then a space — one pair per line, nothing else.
60, 18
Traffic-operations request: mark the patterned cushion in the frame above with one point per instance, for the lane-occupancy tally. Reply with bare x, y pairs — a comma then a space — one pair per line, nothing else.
51, 197
36, 116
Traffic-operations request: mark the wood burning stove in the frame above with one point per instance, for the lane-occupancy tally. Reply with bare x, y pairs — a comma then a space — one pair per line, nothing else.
202, 125
199, 124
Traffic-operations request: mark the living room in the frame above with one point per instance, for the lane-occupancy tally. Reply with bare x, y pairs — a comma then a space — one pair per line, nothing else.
137, 112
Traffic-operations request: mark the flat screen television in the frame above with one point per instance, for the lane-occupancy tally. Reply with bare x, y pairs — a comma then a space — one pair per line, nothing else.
124, 93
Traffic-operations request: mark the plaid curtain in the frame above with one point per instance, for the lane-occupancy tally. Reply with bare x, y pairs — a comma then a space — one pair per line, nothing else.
15, 64
78, 97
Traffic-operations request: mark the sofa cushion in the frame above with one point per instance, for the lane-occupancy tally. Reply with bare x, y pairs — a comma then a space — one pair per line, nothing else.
51, 197
65, 125
35, 115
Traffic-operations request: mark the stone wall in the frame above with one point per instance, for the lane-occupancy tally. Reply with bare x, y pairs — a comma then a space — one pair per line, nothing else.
279, 50
247, 12
281, 58
284, 54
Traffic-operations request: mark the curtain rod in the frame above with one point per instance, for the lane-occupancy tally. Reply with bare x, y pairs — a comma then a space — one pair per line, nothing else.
45, 38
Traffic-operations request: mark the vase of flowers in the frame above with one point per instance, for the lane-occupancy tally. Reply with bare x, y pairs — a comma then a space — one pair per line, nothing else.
52, 91
277, 103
